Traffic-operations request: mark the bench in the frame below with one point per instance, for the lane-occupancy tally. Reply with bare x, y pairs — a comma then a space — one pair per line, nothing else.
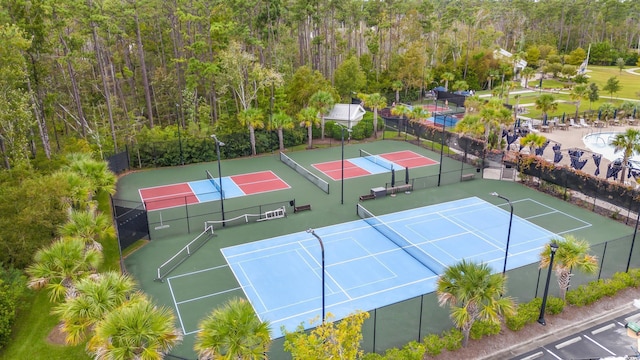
302, 208
399, 188
466, 177
367, 197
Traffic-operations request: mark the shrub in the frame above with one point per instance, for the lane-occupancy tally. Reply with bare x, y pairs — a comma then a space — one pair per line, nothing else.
433, 344
452, 339
525, 313
484, 328
554, 305
12, 287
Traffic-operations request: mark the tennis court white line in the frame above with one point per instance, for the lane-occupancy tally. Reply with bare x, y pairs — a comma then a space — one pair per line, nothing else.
197, 272
208, 296
250, 284
373, 255
600, 345
561, 212
356, 298
325, 271
175, 305
308, 238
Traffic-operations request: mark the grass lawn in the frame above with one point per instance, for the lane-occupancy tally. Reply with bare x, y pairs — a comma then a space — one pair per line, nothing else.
629, 87
34, 322
29, 338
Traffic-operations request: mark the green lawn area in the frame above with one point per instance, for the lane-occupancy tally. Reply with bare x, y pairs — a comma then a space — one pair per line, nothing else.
29, 340
629, 87
35, 321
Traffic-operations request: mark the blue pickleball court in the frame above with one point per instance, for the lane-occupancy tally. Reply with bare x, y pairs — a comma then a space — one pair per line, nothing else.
365, 270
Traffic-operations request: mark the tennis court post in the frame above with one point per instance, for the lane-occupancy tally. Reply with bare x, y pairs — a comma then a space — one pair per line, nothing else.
506, 251
312, 232
218, 144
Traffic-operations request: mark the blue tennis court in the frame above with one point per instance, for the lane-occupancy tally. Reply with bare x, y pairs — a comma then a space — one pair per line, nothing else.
364, 269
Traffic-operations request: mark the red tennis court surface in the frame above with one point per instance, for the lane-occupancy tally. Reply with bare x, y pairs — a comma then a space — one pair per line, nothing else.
405, 158
333, 169
259, 182
435, 108
167, 196
408, 159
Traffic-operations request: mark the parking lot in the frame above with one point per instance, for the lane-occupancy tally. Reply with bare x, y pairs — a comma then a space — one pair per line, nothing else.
606, 340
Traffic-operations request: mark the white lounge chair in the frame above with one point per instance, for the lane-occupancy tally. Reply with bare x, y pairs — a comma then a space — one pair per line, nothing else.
530, 127
573, 123
583, 123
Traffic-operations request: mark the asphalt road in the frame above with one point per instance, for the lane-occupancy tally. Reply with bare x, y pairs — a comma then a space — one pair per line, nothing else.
607, 340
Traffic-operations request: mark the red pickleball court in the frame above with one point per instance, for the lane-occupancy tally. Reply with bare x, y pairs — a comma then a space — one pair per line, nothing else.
254, 183
408, 159
193, 192
333, 169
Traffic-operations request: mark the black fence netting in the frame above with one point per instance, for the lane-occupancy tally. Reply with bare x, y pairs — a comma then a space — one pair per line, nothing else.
119, 163
593, 188
131, 220
397, 324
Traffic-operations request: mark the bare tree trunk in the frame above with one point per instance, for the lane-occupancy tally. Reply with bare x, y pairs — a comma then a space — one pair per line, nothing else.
7, 164
75, 91
40, 118
143, 69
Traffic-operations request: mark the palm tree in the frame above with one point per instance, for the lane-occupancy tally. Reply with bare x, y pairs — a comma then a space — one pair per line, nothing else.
486, 124
90, 226
571, 254
95, 297
58, 266
578, 93
473, 293
233, 331
629, 143
397, 86
627, 108
446, 77
375, 101
472, 104
95, 172
527, 73
253, 119
139, 329
281, 121
607, 110
533, 141
308, 117
402, 111
546, 103
323, 102
460, 85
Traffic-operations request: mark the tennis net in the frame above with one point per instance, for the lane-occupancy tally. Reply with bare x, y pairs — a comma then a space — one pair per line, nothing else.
376, 160
410, 248
215, 184
184, 253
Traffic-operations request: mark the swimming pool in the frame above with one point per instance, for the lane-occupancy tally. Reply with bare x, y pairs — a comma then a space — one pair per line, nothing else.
440, 119
599, 143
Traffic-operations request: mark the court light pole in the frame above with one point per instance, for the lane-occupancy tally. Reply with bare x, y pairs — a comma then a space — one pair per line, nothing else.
633, 240
312, 232
444, 124
506, 251
342, 128
554, 248
218, 144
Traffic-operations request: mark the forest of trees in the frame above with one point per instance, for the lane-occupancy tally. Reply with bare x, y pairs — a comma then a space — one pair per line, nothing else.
113, 71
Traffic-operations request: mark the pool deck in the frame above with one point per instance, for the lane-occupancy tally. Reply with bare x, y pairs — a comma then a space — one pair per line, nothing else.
572, 139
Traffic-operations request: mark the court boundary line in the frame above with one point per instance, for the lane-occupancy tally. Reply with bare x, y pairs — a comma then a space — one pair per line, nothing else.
325, 270
177, 303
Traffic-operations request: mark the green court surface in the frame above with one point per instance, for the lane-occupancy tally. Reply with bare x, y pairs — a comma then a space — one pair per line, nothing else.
204, 281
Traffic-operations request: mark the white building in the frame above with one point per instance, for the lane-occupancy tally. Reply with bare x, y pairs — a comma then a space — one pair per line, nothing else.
346, 114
